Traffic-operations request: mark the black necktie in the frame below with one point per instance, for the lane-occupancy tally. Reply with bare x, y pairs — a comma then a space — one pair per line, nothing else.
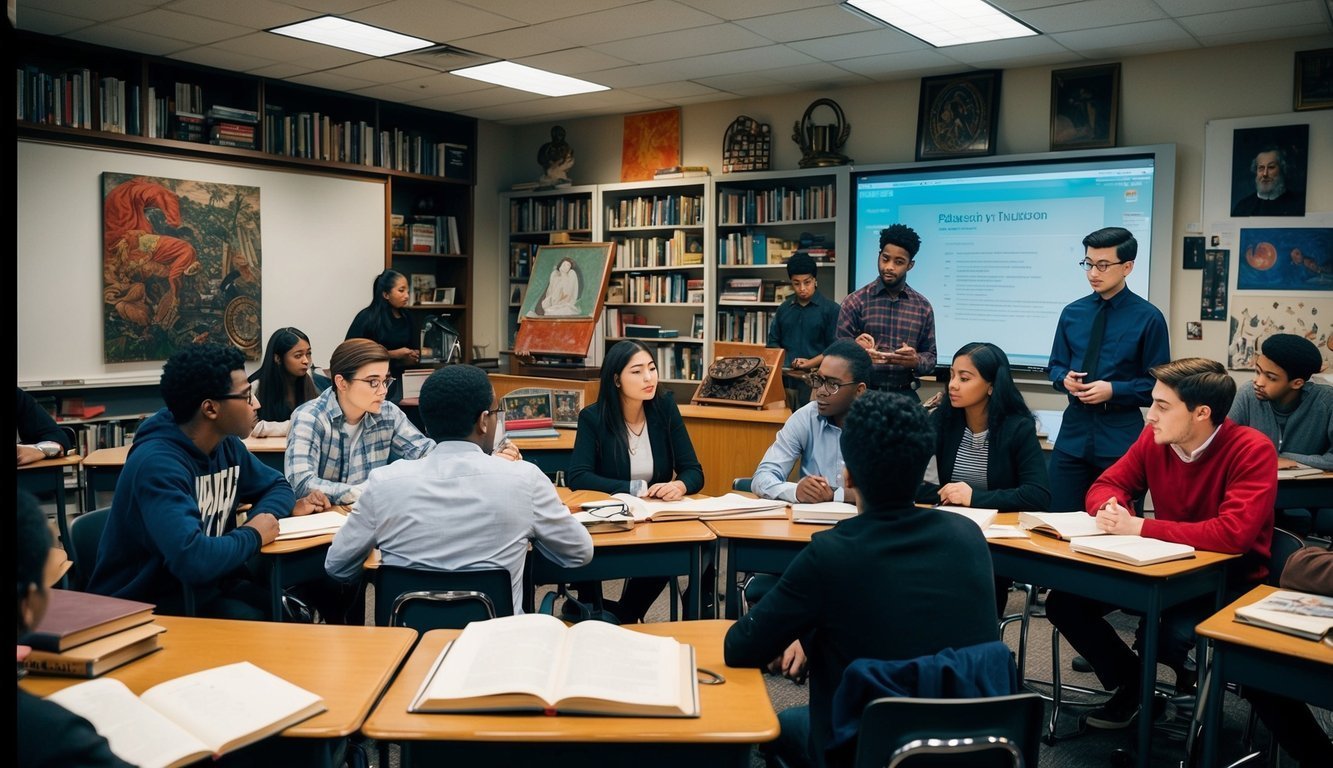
1090, 358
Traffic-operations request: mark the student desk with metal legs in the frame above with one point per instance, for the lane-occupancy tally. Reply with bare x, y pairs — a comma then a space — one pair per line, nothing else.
1305, 492
48, 475
733, 716
348, 667
759, 546
1147, 590
1263, 658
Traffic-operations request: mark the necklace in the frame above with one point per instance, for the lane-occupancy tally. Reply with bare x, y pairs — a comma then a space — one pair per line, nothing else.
635, 437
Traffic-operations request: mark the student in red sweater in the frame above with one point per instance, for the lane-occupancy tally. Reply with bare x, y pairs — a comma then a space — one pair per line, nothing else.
1213, 484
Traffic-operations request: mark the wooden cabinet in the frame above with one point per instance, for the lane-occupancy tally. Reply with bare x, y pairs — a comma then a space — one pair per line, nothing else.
89, 95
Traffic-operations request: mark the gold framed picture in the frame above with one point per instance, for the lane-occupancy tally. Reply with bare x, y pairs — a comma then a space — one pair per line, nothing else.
1085, 107
957, 115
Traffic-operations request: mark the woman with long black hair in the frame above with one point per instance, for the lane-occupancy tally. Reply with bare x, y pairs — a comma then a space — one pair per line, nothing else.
284, 380
386, 321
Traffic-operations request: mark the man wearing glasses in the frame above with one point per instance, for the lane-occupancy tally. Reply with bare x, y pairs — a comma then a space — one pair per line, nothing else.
1104, 345
176, 514
495, 506
351, 428
812, 433
894, 323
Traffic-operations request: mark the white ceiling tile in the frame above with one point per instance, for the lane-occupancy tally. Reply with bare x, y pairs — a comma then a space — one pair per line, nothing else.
605, 26
1090, 14
130, 39
533, 12
1092, 41
33, 20
487, 97
256, 14
511, 43
93, 10
341, 7
573, 61
671, 91
1020, 52
745, 9
809, 23
749, 60
715, 96
301, 53
182, 26
737, 83
1268, 17
432, 86
380, 71
1193, 7
859, 44
436, 20
212, 56
331, 80
1255, 35
680, 44
817, 74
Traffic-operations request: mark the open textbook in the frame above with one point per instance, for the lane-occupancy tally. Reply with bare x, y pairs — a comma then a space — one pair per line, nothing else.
1061, 525
535, 662
1296, 613
305, 526
203, 714
726, 507
982, 517
1300, 470
1134, 550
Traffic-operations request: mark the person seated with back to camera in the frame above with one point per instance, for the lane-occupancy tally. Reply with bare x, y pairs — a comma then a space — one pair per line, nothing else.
826, 607
284, 380
812, 434
633, 440
987, 454
495, 506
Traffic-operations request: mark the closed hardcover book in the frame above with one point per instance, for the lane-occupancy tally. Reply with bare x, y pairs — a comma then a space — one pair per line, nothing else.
982, 517
1134, 550
75, 618
638, 331
823, 513
99, 656
1296, 613
534, 423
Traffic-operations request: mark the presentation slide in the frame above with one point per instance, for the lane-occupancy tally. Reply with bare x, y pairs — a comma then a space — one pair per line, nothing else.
1000, 246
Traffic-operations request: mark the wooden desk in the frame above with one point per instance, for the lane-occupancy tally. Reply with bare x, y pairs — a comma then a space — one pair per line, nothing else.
734, 716
1250, 655
1308, 492
759, 546
730, 442
347, 666
1149, 590
647, 549
550, 454
293, 561
49, 475
102, 467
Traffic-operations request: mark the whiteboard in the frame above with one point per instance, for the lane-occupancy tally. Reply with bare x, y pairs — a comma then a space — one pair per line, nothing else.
322, 244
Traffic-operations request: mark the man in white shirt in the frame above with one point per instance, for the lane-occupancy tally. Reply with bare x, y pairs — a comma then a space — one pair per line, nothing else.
811, 434
459, 508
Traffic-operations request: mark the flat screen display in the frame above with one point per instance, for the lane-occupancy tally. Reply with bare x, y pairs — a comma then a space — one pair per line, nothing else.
1001, 238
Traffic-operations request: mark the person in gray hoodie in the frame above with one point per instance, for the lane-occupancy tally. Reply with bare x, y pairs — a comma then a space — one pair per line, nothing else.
1293, 411
175, 517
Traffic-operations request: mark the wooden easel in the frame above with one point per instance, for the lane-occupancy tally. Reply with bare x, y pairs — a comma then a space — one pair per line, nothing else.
774, 396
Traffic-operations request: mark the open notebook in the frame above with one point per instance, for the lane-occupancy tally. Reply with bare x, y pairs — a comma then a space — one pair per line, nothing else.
725, 507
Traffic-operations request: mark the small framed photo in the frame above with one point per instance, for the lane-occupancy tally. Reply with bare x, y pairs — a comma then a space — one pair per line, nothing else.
1085, 107
423, 288
1193, 330
444, 295
957, 115
516, 293
568, 403
1314, 79
524, 404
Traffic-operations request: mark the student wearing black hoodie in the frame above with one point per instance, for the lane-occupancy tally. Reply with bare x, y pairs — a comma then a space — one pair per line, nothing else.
174, 517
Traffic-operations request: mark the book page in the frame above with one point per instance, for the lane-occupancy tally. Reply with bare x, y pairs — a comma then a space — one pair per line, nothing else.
616, 664
1004, 532
982, 517
227, 704
310, 525
136, 732
1066, 525
646, 509
516, 654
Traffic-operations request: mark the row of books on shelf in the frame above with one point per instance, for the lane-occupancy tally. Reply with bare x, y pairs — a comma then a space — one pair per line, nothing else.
672, 288
547, 214
618, 322
319, 137
424, 234
740, 248
401, 150
678, 250
754, 289
680, 172
97, 435
658, 211
680, 362
749, 327
783, 204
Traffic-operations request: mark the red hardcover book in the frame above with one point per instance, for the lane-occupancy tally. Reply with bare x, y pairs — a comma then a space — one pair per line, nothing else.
542, 423
74, 618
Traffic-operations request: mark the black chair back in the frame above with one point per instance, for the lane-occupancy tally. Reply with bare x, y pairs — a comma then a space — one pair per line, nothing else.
1285, 544
995, 731
741, 484
85, 535
425, 599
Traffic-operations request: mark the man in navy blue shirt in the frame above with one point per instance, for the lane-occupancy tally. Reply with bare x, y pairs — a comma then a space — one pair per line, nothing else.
803, 326
1104, 345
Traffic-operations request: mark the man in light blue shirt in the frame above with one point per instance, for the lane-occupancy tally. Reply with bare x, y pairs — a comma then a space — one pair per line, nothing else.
459, 508
811, 434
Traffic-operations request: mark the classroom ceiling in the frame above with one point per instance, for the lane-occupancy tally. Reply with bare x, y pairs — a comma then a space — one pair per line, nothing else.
652, 53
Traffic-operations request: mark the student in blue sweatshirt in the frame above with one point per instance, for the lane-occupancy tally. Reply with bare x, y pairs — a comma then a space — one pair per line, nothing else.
174, 518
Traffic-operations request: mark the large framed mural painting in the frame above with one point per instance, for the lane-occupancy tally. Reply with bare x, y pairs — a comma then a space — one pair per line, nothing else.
180, 265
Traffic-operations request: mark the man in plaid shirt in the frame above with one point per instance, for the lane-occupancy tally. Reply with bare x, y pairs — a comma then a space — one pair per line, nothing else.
894, 323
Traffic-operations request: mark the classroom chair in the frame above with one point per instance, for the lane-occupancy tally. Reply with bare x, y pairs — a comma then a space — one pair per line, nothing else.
85, 534
425, 599
741, 484
994, 731
755, 585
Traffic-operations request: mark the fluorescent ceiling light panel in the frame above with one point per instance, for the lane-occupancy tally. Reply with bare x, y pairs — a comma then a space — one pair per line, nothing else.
352, 35
945, 22
529, 79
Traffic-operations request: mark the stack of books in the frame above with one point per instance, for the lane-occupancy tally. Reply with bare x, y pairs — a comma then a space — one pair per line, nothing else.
680, 172
85, 635
537, 427
742, 289
232, 126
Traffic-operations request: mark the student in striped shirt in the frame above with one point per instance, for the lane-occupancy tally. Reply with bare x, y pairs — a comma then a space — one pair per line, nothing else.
986, 452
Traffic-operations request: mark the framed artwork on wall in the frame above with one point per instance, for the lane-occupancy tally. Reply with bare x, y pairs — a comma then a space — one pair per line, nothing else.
1314, 80
651, 140
957, 115
1085, 107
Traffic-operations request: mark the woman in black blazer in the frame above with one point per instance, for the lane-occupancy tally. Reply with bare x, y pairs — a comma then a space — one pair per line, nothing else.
986, 449
633, 440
